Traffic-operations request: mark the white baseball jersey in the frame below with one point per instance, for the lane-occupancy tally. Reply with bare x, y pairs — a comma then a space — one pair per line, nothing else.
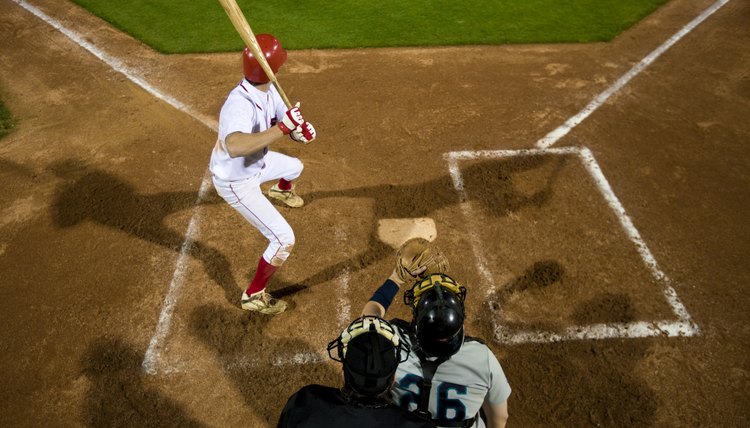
247, 110
459, 386
238, 180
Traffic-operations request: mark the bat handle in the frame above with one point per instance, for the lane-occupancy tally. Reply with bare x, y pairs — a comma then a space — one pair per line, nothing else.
281, 92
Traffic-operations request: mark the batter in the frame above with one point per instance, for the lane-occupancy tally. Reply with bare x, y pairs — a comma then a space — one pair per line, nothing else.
252, 117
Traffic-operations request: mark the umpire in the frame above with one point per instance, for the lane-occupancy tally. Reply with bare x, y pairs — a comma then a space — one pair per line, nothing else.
370, 351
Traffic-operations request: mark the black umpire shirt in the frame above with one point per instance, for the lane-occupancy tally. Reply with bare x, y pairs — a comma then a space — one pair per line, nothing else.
316, 406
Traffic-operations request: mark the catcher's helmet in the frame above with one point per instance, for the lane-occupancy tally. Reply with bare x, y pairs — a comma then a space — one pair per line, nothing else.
275, 56
370, 351
437, 303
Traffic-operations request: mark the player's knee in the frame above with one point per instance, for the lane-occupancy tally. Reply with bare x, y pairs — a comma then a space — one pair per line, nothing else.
282, 254
298, 166
285, 244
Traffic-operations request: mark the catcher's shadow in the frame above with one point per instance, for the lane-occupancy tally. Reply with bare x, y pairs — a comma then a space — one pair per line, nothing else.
553, 382
541, 275
94, 195
491, 184
549, 274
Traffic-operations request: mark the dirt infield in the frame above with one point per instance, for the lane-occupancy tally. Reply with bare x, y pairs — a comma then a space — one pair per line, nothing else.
120, 279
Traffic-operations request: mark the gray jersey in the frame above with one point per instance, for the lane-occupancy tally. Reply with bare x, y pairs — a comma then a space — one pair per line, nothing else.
460, 385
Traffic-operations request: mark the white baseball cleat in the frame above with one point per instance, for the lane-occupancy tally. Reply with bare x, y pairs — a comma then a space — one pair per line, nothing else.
262, 302
288, 197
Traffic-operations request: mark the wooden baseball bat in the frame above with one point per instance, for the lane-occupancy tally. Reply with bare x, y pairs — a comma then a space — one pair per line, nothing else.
247, 35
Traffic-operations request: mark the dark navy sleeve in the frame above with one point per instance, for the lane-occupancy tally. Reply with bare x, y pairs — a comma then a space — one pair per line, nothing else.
385, 293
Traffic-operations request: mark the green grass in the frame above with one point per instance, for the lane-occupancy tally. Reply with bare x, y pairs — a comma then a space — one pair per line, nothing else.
6, 121
183, 26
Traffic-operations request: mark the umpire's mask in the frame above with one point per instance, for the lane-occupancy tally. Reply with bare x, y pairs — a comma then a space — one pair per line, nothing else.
370, 351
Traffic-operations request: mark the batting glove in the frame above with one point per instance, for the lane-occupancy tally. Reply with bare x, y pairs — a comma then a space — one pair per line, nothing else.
291, 120
304, 134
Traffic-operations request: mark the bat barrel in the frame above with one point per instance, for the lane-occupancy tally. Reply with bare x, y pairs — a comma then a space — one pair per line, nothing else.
246, 33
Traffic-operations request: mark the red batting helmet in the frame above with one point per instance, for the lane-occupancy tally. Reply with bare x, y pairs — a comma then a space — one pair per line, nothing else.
275, 56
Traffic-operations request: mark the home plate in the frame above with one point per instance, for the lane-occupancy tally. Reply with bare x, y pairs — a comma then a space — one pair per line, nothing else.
396, 231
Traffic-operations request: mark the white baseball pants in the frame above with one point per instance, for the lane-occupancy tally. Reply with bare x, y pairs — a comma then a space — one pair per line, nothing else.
248, 199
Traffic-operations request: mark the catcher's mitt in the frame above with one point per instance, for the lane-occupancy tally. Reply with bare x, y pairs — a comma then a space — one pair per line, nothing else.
418, 258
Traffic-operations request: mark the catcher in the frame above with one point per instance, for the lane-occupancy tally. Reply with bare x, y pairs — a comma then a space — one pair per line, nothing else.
449, 377
415, 259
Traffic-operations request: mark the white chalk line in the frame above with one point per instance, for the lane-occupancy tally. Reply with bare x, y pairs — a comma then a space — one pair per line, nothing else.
118, 65
479, 154
344, 306
684, 326
596, 173
476, 243
155, 346
632, 330
600, 99
296, 359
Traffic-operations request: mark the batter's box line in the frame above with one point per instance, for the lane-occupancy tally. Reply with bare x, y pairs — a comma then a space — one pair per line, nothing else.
296, 359
683, 326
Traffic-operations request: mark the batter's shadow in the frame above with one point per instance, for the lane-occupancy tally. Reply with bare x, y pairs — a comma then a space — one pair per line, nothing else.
95, 195
490, 184
14, 168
